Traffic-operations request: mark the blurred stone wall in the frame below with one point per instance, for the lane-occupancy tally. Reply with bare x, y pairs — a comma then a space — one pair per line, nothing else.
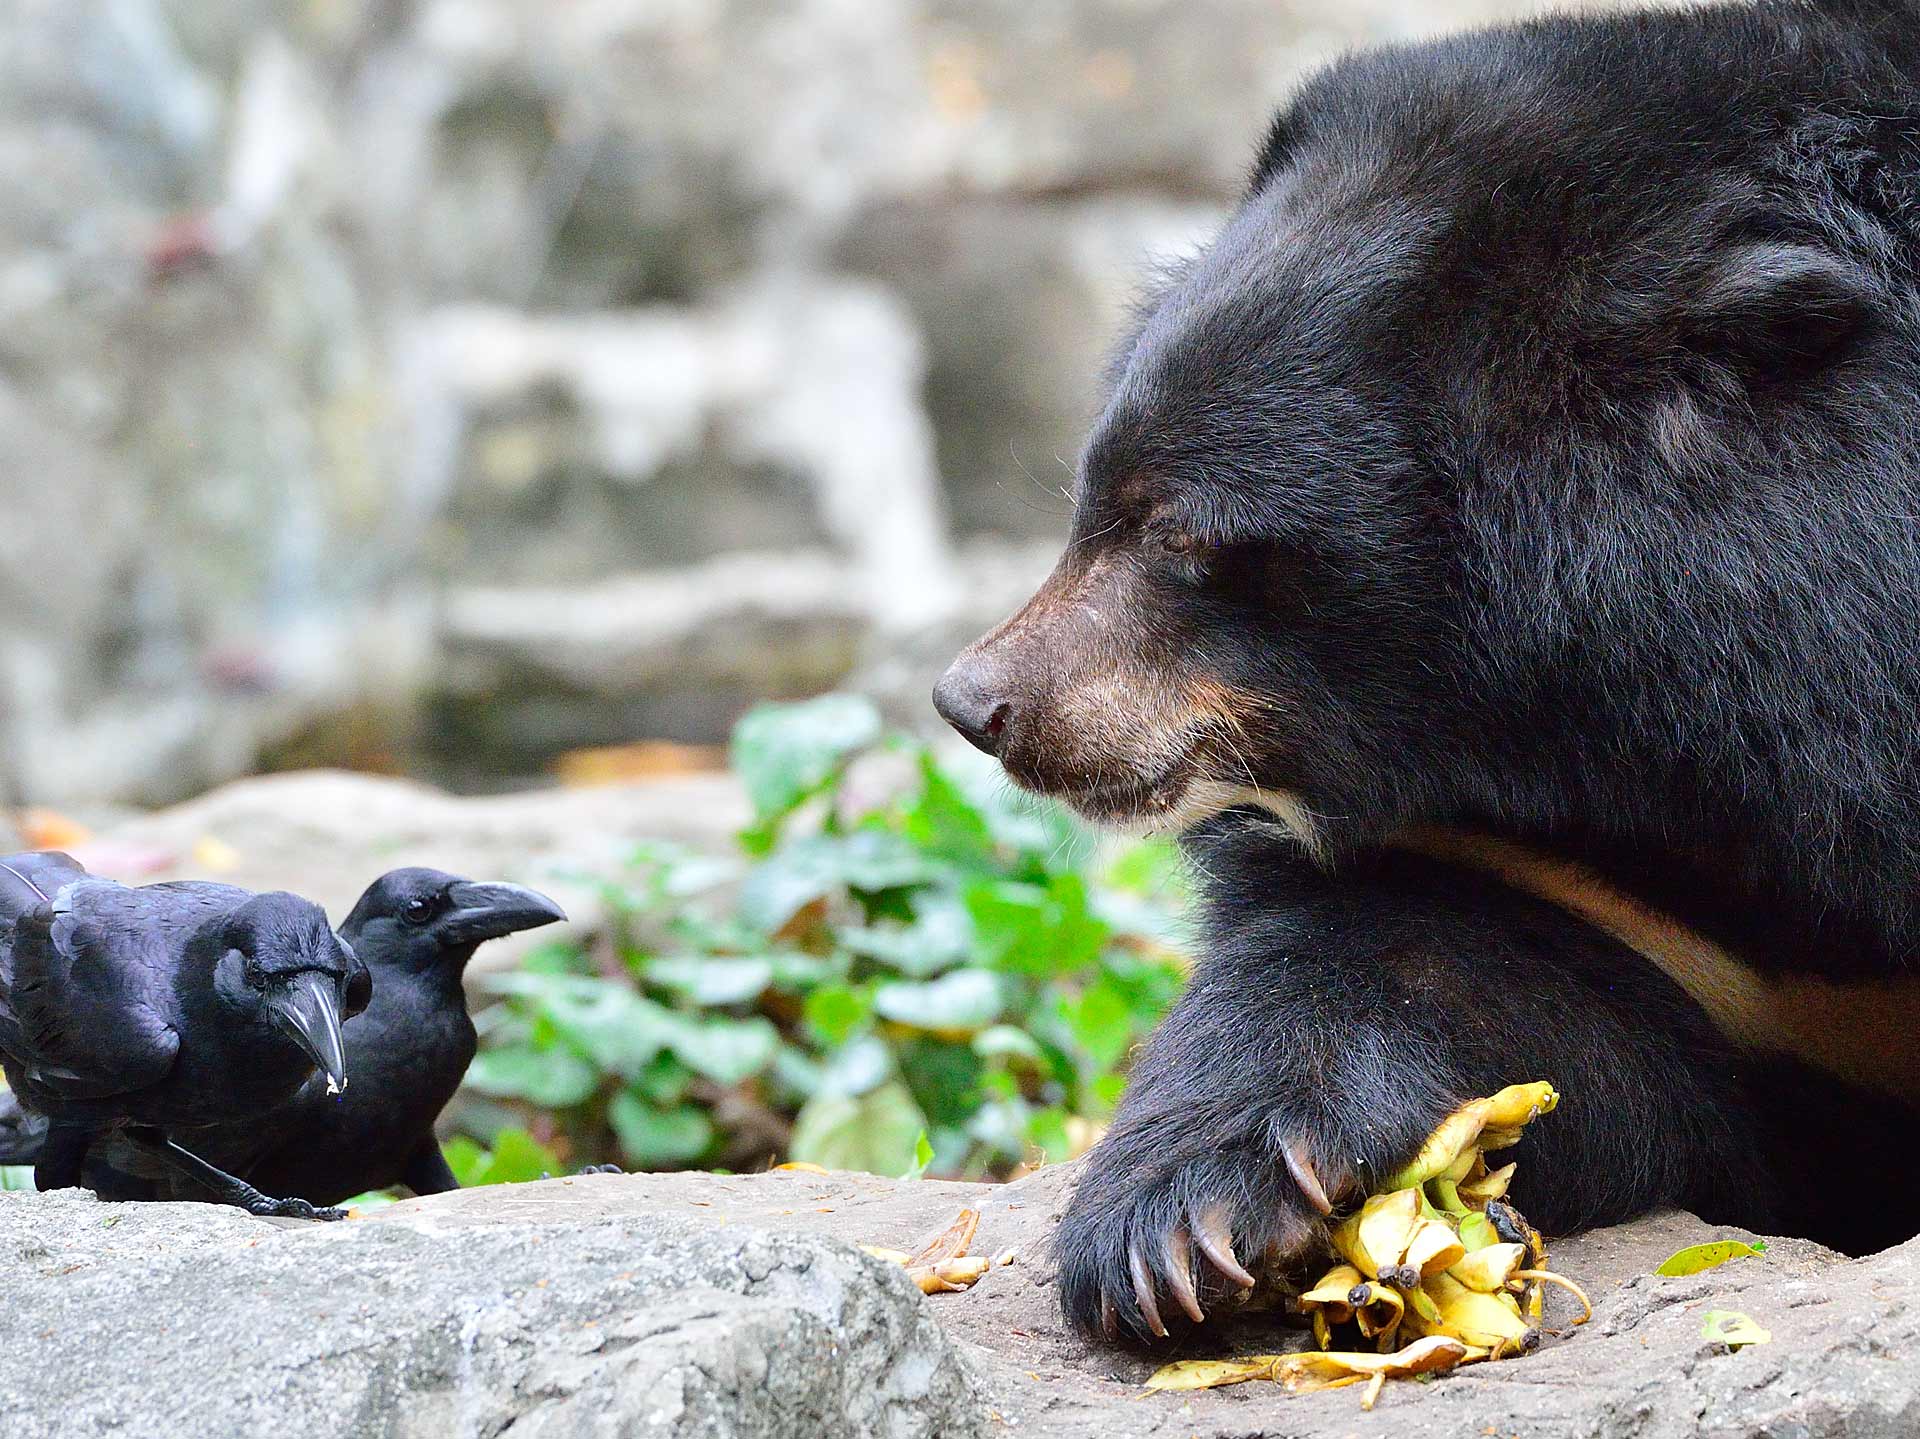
452, 383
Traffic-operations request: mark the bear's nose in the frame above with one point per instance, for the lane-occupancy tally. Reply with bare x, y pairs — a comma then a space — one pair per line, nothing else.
969, 698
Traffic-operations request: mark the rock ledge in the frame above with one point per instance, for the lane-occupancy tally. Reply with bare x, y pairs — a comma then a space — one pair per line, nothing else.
713, 1305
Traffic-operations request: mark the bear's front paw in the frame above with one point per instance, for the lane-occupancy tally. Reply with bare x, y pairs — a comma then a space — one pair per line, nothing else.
1153, 1238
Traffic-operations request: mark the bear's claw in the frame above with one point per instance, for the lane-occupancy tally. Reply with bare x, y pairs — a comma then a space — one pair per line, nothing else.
1301, 1168
1141, 1261
1143, 1292
1215, 1238
1180, 1274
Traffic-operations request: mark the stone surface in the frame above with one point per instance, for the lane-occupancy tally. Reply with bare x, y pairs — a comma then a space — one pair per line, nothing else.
200, 470
589, 445
718, 1305
631, 1326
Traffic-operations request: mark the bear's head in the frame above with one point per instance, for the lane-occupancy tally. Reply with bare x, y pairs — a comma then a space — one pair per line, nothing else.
1510, 437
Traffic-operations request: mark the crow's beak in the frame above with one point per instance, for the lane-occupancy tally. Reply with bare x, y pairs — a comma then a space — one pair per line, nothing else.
482, 912
307, 1009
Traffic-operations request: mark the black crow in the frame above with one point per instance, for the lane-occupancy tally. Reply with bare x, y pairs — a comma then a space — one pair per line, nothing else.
415, 929
163, 1010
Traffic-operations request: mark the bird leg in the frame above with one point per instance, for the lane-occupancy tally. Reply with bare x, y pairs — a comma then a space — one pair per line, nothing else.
62, 1157
426, 1171
226, 1188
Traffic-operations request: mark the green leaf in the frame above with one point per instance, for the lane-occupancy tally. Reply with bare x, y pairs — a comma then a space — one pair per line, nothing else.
1001, 1126
1044, 931
663, 1081
519, 1158
724, 1050
877, 1133
835, 1011
922, 1157
516, 1157
617, 1029
558, 956
941, 820
1732, 1328
1148, 869
795, 971
793, 1077
466, 1159
827, 864
1100, 1021
939, 937
1042, 833
1048, 1129
709, 980
551, 1078
1131, 916
652, 1137
965, 1000
1697, 1258
785, 754
1005, 1041
944, 1077
685, 874
856, 1067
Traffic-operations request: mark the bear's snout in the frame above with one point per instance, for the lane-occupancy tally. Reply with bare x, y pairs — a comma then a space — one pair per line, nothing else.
971, 696
1075, 700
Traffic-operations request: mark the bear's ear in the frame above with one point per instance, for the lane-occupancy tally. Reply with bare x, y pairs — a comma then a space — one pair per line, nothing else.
1777, 310
1276, 150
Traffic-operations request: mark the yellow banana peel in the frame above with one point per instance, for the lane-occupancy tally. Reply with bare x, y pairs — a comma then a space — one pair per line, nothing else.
1436, 1261
1489, 1269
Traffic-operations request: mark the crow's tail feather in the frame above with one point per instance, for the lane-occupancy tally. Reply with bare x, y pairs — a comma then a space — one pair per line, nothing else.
30, 880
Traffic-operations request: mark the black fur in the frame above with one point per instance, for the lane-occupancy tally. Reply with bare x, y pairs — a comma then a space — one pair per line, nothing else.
1535, 451
1562, 381
1579, 406
1349, 1014
1538, 438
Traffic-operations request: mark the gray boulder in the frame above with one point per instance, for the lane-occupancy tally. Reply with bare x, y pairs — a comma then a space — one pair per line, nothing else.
200, 1322
720, 1305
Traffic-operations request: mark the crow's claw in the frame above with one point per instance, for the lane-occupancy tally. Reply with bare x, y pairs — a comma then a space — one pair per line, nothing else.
292, 1209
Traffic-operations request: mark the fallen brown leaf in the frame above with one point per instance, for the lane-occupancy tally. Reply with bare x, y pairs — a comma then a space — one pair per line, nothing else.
949, 1243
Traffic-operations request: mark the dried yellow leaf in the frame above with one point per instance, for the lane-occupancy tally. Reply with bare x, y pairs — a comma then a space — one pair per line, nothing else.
949, 1243
1315, 1368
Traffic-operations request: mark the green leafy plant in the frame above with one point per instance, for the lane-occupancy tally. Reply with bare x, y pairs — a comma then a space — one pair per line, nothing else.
905, 968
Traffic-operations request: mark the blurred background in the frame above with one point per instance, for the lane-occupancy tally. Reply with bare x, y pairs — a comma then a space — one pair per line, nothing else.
506, 395
441, 386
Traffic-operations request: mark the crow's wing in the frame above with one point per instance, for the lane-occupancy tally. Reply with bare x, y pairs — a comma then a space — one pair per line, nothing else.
30, 880
86, 993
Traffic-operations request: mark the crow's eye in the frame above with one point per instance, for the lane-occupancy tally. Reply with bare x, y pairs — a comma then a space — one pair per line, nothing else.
417, 911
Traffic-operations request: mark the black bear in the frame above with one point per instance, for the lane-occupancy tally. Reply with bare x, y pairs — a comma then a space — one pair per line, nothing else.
1501, 550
